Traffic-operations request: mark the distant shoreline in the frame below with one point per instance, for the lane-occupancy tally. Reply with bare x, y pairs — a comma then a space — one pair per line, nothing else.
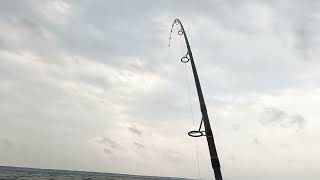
83, 173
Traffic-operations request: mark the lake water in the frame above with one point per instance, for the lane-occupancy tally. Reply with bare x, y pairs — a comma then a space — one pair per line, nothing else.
17, 173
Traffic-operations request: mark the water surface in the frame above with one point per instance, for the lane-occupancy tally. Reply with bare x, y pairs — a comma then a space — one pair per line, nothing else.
18, 173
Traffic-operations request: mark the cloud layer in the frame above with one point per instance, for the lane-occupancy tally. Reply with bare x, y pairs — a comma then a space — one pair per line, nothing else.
93, 86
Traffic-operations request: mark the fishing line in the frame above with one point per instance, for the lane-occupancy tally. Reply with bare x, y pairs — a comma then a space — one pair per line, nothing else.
184, 60
191, 109
215, 163
196, 144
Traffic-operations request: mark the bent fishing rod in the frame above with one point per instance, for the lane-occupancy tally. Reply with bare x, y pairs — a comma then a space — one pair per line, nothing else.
205, 118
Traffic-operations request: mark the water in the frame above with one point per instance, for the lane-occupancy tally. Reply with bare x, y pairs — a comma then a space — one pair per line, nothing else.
17, 173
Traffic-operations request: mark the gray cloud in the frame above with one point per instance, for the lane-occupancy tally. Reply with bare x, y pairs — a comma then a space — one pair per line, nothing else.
6, 142
173, 156
256, 141
272, 115
298, 120
107, 151
108, 142
236, 127
134, 130
139, 145
73, 70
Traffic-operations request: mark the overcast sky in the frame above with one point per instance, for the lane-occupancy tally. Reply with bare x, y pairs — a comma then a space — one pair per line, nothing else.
93, 85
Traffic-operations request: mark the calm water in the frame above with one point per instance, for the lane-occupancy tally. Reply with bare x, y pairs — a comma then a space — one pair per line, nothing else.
14, 173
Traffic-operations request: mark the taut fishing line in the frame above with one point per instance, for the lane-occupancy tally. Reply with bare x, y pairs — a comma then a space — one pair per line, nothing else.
215, 163
184, 60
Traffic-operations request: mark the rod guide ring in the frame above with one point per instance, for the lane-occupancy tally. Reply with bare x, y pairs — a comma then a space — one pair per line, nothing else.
184, 59
196, 133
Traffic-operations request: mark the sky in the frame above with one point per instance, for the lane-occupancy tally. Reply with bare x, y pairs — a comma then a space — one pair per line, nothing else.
93, 85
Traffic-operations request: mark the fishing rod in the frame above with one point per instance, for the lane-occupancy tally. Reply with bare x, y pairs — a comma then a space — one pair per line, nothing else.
205, 118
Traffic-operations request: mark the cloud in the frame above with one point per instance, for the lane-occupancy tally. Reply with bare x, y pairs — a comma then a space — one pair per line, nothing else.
134, 130
107, 151
236, 127
256, 141
108, 142
173, 156
74, 70
6, 142
273, 115
298, 120
139, 146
